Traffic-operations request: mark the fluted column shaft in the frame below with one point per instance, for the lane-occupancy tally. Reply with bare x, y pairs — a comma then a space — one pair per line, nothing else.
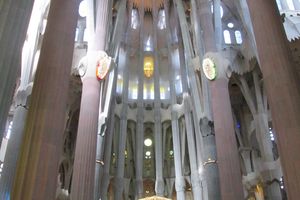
37, 170
14, 20
227, 152
282, 83
85, 153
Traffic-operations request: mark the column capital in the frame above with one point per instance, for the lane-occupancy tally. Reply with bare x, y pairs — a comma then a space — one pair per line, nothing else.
22, 96
88, 64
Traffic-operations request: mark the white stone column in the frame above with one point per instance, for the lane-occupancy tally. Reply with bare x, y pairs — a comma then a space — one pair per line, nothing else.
159, 181
14, 142
179, 178
119, 176
139, 159
195, 180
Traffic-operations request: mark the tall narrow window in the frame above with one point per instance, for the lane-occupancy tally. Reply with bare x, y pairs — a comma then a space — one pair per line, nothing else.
134, 19
227, 38
161, 19
221, 10
83, 8
279, 4
238, 37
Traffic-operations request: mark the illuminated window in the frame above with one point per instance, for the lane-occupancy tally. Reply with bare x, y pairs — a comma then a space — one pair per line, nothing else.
83, 8
290, 4
134, 93
148, 45
85, 35
238, 37
212, 10
230, 25
134, 19
119, 84
178, 86
148, 66
279, 4
161, 19
227, 38
148, 142
162, 93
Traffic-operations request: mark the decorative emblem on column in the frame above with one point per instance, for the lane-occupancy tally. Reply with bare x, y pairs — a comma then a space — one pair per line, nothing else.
209, 69
102, 67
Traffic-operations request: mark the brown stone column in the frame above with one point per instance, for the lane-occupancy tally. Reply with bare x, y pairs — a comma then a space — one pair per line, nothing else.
226, 145
83, 180
282, 85
14, 20
227, 151
85, 153
37, 170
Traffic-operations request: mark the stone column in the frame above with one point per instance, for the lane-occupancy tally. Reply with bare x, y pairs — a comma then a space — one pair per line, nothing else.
195, 180
86, 142
179, 180
119, 176
190, 131
281, 81
14, 142
14, 20
105, 179
159, 181
37, 170
227, 152
139, 159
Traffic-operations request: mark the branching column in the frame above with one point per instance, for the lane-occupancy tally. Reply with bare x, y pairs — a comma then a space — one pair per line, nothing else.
37, 170
282, 83
227, 152
86, 142
190, 131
